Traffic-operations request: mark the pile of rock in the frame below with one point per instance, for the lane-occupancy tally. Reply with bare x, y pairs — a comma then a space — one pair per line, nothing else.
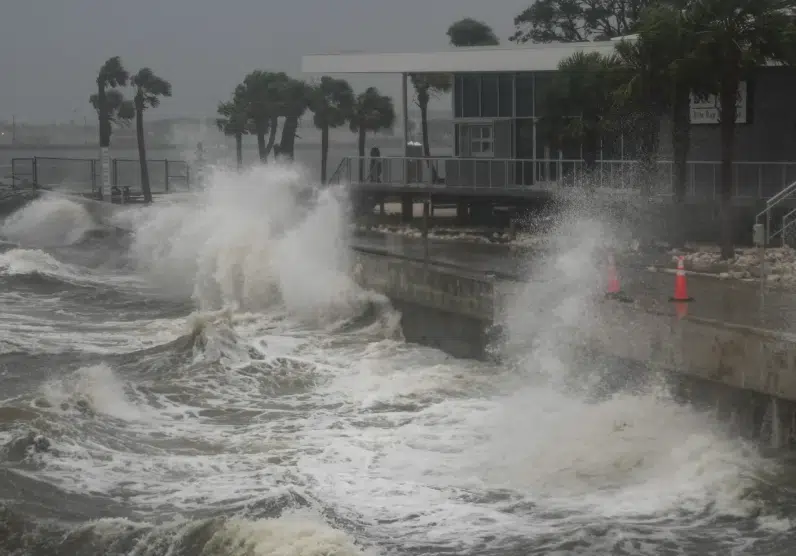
780, 264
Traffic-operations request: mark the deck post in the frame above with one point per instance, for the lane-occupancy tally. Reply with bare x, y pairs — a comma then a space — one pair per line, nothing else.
405, 112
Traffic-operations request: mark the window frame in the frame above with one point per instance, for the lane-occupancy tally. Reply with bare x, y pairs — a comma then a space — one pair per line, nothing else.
481, 140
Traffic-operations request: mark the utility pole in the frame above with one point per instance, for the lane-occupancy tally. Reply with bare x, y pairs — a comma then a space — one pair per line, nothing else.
13, 129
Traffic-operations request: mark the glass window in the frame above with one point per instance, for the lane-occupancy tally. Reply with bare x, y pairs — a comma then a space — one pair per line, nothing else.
481, 140
524, 91
506, 95
544, 84
471, 96
458, 96
489, 95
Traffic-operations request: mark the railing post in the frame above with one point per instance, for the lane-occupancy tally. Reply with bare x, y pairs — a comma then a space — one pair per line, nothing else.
93, 176
166, 170
35, 171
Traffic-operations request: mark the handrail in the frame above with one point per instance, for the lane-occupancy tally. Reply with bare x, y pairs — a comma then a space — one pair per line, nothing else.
335, 177
771, 203
779, 196
787, 222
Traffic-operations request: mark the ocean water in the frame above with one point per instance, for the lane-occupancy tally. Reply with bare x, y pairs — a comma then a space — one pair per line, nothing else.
211, 382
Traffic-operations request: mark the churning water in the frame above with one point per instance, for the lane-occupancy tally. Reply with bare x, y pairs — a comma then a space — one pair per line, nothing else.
212, 383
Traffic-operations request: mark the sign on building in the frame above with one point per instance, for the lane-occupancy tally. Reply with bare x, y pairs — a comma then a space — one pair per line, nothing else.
705, 108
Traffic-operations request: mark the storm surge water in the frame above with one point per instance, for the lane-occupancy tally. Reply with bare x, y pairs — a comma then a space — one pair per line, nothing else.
202, 377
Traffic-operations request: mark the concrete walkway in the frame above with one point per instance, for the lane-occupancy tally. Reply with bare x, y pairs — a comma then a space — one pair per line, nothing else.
725, 300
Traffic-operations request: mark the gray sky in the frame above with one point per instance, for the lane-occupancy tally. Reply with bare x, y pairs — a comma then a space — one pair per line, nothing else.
50, 50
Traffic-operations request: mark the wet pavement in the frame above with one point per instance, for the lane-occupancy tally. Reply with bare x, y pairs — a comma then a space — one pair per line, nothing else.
731, 301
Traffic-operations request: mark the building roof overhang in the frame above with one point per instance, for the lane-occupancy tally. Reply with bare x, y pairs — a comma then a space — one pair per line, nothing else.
537, 57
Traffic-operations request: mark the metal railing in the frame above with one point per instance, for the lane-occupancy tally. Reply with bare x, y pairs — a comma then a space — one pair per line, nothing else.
83, 175
751, 180
788, 219
338, 173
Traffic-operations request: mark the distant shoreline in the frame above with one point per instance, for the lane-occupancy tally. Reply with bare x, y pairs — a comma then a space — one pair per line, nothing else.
372, 141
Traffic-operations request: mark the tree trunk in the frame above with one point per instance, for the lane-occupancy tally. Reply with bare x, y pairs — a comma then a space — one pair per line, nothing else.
139, 131
272, 125
287, 146
104, 120
324, 152
681, 144
261, 148
650, 131
727, 100
591, 144
104, 129
361, 148
422, 102
239, 150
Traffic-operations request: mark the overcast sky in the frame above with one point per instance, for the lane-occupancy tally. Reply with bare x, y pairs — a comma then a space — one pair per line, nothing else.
50, 50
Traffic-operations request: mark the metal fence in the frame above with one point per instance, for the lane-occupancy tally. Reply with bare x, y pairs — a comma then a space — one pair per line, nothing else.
751, 180
83, 175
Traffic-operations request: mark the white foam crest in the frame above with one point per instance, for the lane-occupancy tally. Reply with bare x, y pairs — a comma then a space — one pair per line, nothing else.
19, 262
248, 241
294, 533
48, 222
96, 388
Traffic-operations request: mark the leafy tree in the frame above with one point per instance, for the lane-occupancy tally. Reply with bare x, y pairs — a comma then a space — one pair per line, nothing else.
293, 101
148, 90
120, 111
332, 104
234, 122
580, 103
111, 75
665, 74
427, 85
733, 39
261, 93
471, 32
578, 20
110, 109
372, 112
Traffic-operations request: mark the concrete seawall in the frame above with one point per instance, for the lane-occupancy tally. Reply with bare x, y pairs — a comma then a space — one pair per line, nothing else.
450, 310
454, 310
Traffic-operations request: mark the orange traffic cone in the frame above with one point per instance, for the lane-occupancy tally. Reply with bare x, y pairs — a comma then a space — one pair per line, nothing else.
614, 290
613, 277
680, 286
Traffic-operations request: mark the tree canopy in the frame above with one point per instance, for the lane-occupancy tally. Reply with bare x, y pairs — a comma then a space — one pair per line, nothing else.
471, 32
149, 88
331, 102
372, 112
577, 20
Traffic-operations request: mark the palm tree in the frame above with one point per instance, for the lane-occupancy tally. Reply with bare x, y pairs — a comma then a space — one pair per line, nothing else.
427, 85
294, 100
261, 92
581, 102
332, 104
373, 112
148, 90
732, 40
234, 122
112, 74
119, 111
471, 32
